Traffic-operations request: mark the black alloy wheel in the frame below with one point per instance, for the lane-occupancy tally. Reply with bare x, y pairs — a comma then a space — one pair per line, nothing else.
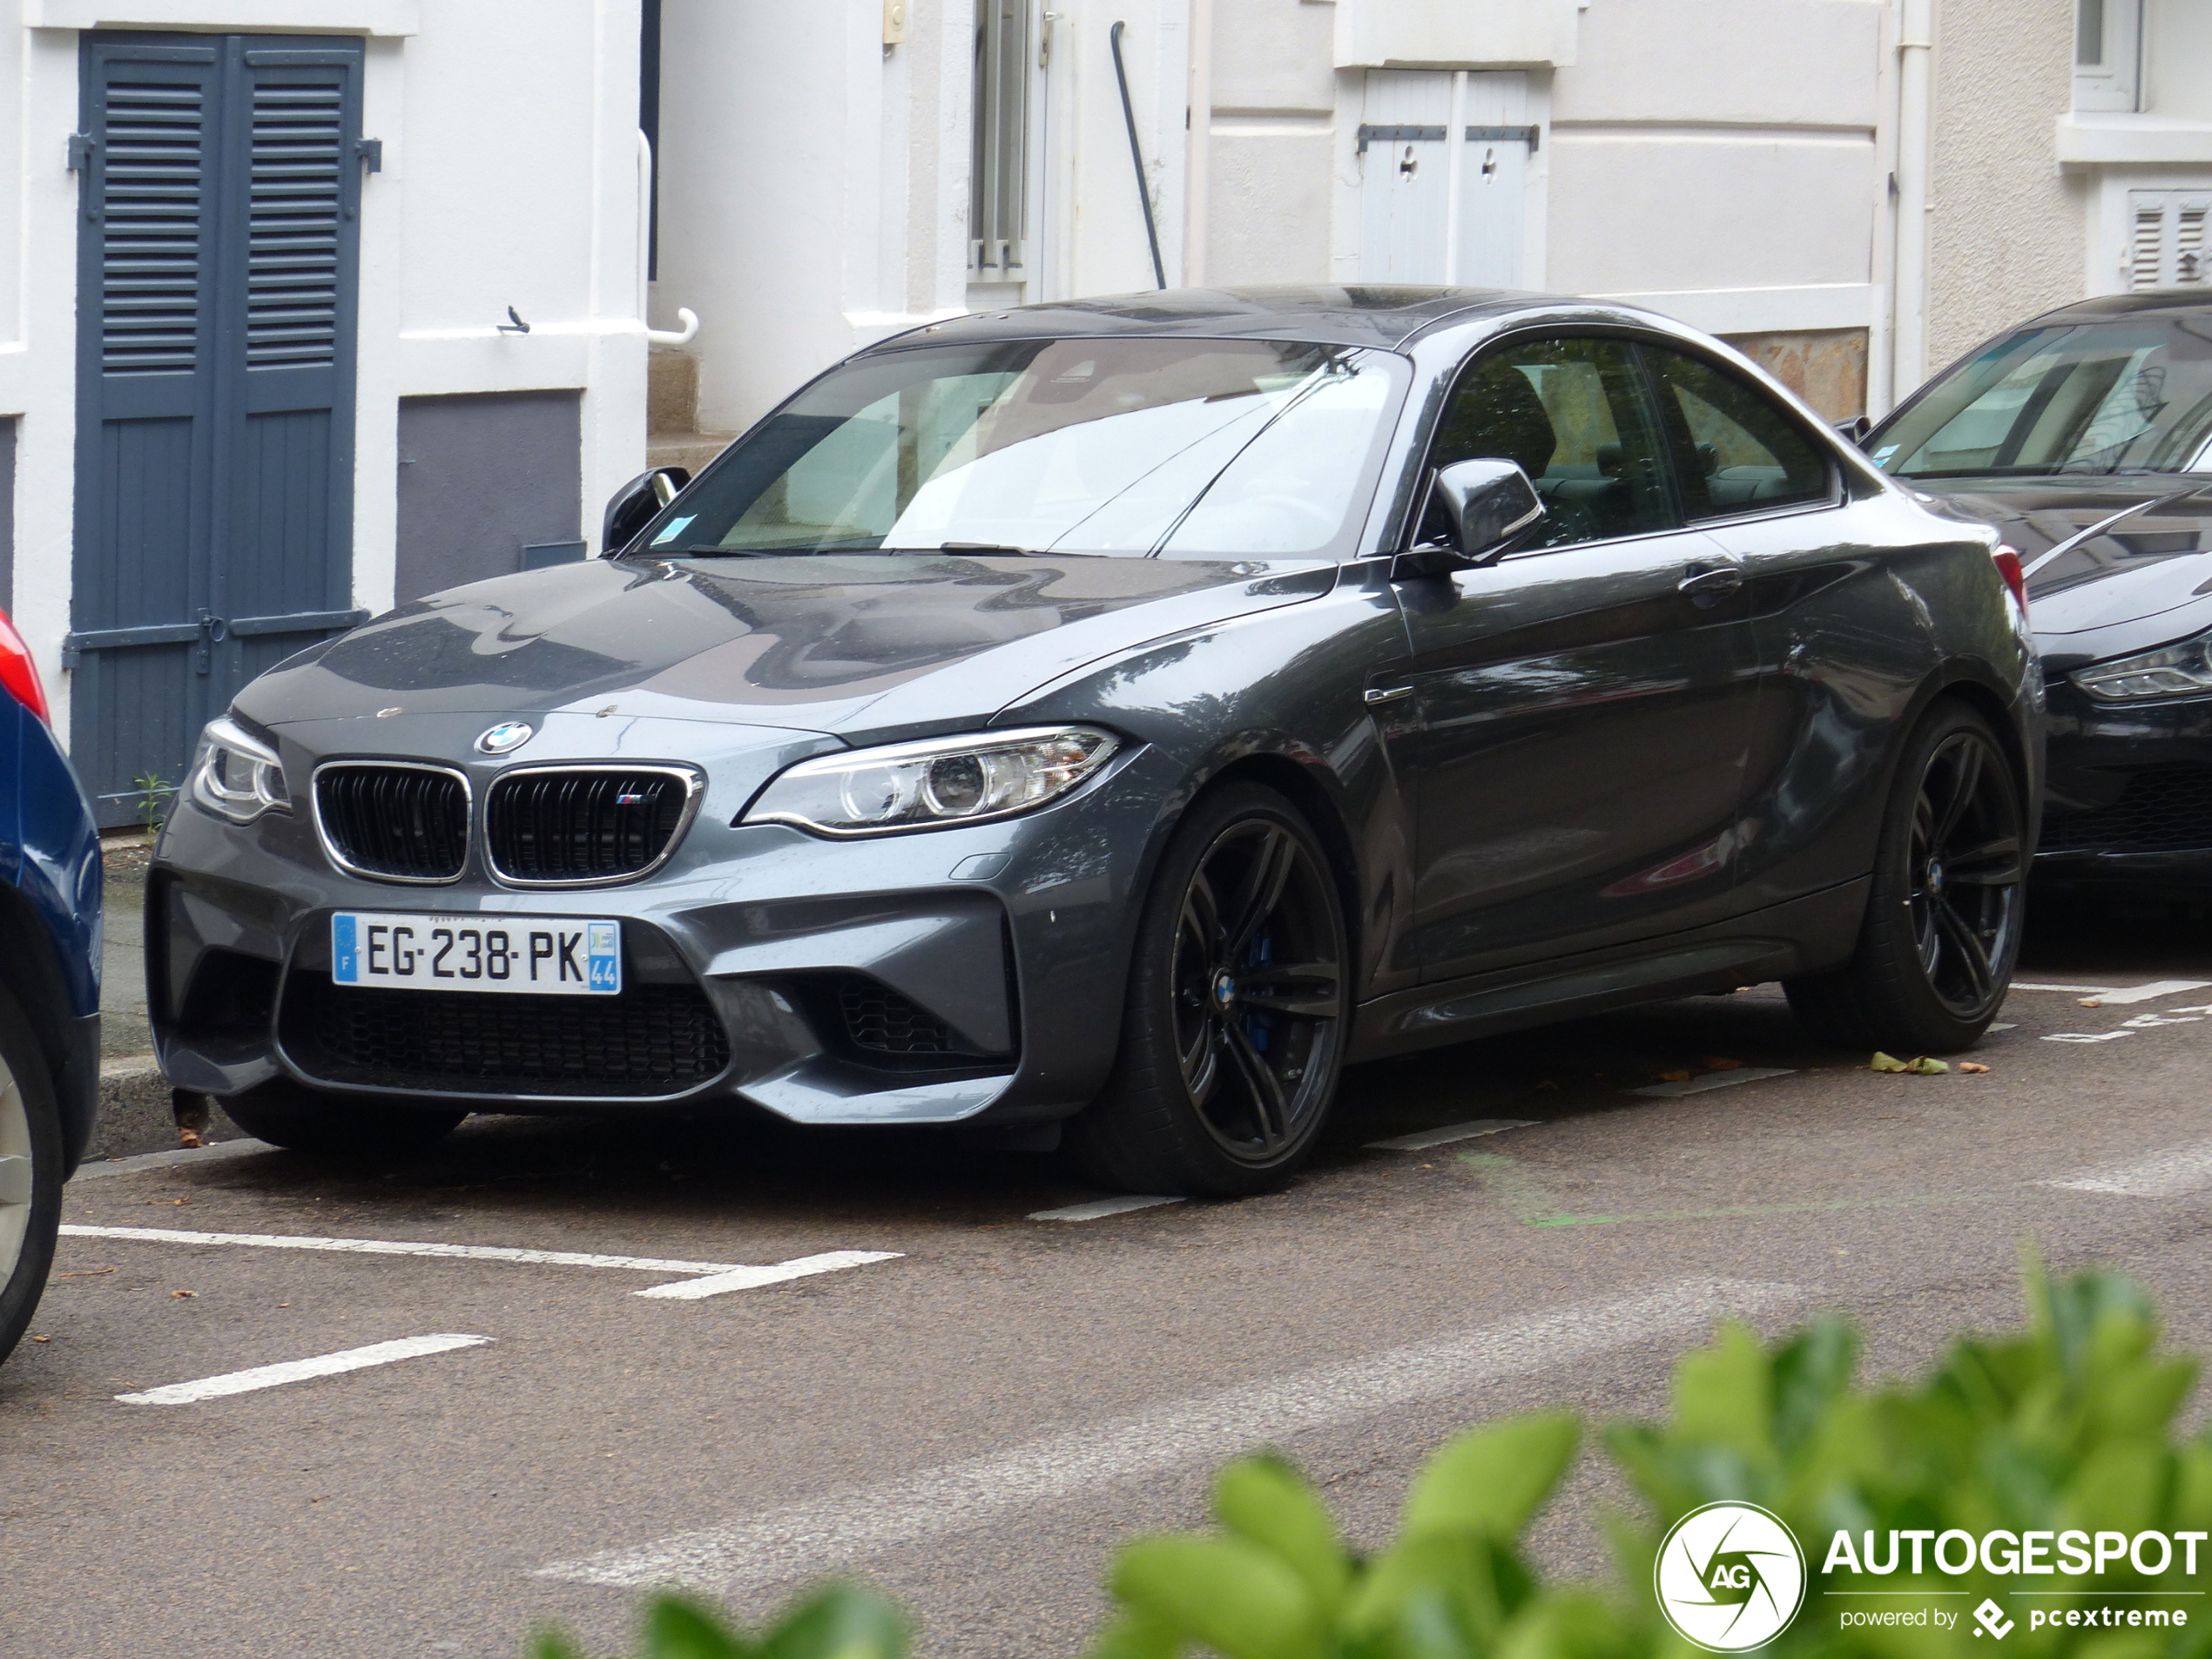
1966, 865
1944, 909
1234, 1031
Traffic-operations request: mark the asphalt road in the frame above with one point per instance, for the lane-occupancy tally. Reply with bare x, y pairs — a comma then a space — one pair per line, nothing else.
972, 1421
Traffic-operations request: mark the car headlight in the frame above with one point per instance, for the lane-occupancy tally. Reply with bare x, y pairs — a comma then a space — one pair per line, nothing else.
236, 775
925, 786
2171, 671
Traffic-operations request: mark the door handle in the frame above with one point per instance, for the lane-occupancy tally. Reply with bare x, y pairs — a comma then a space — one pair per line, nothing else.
1708, 585
1378, 694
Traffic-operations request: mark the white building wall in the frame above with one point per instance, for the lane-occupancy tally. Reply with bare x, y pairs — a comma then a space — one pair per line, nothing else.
510, 177
1714, 159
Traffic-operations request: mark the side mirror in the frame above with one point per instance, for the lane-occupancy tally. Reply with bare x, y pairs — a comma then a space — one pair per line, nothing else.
1854, 430
637, 504
1489, 504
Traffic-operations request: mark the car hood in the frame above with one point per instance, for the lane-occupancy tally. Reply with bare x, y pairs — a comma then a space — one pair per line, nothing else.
812, 642
2151, 562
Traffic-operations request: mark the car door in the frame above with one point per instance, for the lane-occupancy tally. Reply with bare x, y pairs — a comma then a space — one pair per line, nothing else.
1579, 710
1841, 631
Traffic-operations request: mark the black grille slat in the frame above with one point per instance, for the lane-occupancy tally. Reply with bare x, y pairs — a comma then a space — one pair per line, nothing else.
651, 1040
578, 825
404, 822
2167, 809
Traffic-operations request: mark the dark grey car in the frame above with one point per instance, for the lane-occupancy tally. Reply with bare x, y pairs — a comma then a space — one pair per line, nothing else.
1116, 717
2084, 437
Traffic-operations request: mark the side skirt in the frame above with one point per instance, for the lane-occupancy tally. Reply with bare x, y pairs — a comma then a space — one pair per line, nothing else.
1801, 936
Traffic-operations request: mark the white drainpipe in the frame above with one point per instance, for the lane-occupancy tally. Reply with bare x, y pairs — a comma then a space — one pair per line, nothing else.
1915, 144
1197, 162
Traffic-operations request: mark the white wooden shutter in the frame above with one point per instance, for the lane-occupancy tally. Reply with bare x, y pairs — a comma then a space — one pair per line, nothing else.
1418, 134
2166, 239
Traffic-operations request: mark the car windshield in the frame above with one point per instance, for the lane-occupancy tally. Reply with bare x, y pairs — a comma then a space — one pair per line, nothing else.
2130, 394
1125, 447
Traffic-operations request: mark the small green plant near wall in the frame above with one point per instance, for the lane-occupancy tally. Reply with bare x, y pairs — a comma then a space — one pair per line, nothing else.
2027, 1480
156, 796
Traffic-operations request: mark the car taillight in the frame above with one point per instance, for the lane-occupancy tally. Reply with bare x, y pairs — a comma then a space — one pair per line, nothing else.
2008, 561
18, 674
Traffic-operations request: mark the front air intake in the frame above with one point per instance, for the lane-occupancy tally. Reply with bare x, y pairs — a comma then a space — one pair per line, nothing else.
393, 820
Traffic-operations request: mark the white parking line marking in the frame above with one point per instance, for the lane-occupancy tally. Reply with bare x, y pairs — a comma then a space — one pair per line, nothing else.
805, 1539
163, 1160
746, 1278
1449, 1133
2167, 1174
2125, 993
1098, 1207
1713, 1079
722, 1276
2084, 1037
327, 1365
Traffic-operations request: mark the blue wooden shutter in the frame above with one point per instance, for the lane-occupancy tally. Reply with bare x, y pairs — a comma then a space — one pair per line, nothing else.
146, 288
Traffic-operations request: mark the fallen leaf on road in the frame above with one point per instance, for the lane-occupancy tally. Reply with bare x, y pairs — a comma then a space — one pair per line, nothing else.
1714, 1064
2092, 1001
1969, 1065
1927, 1068
1673, 1076
85, 1272
183, 1293
42, 1338
1886, 1062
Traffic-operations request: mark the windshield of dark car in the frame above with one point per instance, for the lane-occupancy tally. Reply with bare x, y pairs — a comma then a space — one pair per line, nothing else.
2132, 393
1127, 447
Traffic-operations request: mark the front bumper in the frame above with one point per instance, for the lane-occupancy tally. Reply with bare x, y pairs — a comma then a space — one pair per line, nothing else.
2129, 791
946, 975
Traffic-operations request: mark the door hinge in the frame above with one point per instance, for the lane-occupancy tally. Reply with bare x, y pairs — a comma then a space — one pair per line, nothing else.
370, 153
82, 148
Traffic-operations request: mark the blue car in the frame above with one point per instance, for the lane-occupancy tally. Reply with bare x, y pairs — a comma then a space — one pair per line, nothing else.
50, 984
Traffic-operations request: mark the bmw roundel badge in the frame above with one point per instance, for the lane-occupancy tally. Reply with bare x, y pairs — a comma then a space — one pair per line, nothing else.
505, 737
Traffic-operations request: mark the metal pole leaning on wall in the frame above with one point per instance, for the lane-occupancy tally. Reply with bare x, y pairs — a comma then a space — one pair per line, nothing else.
1136, 157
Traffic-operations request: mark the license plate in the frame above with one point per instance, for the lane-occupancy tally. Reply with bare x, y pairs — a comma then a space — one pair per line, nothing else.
553, 955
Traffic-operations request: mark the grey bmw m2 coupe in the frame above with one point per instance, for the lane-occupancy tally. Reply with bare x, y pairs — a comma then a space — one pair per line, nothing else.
1104, 721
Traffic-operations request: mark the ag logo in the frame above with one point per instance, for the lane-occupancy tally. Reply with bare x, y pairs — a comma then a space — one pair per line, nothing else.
1729, 1577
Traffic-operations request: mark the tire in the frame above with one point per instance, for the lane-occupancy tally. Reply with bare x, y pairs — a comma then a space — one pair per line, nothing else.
1943, 919
343, 1126
1234, 1028
31, 1173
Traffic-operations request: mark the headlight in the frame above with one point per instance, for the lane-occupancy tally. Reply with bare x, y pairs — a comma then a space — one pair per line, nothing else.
2172, 670
237, 776
922, 785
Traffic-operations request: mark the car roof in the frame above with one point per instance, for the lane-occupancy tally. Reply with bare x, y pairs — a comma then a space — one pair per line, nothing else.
2108, 306
1362, 315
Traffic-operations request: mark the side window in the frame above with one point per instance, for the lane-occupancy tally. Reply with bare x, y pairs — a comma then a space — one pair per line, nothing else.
1736, 449
1574, 413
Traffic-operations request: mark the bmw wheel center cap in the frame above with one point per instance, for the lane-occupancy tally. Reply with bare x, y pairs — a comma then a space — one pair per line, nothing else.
505, 737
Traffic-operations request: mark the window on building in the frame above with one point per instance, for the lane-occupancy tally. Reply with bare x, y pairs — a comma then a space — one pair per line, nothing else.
1008, 50
2107, 54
